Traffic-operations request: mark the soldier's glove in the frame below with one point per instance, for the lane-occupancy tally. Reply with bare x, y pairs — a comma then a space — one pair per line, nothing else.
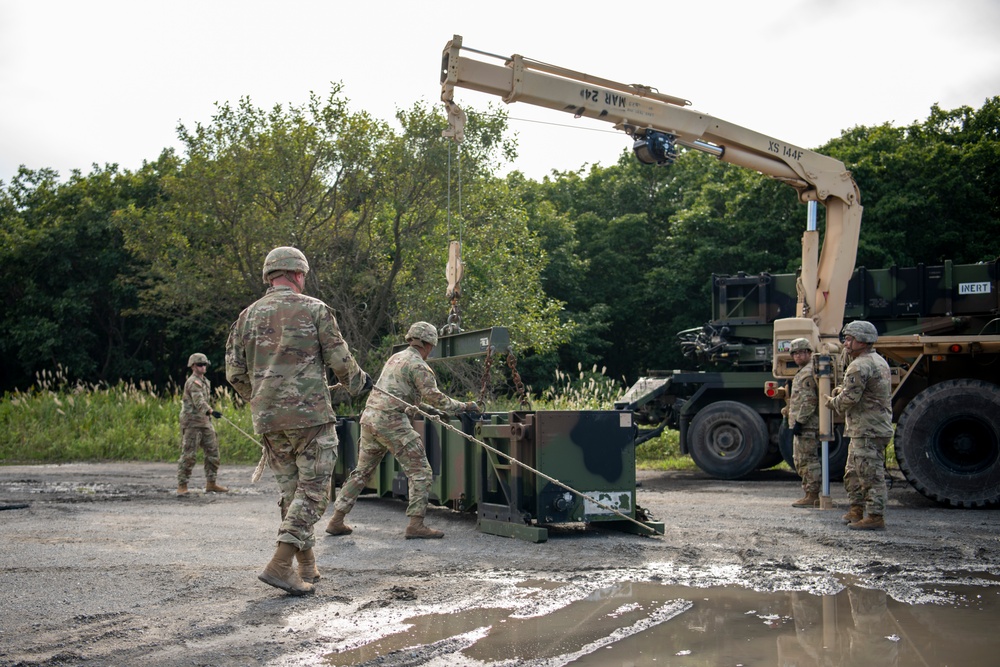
411, 412
828, 402
797, 429
837, 390
215, 413
784, 411
368, 384
472, 406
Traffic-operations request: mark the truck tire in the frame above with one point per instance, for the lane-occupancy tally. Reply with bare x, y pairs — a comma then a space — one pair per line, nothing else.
948, 443
727, 440
838, 450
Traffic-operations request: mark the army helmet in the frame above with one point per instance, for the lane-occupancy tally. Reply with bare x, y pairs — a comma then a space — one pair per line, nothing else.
423, 331
284, 258
862, 331
197, 358
799, 344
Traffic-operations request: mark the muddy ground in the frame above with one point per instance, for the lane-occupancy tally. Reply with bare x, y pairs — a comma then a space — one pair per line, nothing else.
105, 566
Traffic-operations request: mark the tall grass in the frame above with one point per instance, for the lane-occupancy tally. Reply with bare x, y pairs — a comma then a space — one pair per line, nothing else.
594, 390
58, 420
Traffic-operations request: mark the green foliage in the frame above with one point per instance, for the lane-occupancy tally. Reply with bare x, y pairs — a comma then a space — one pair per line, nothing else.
663, 453
56, 421
364, 202
584, 390
120, 275
66, 272
931, 190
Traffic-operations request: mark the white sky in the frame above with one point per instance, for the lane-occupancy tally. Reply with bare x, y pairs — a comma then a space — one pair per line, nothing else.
107, 81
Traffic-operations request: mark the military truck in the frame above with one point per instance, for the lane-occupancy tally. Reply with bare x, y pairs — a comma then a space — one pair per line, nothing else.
727, 424
946, 394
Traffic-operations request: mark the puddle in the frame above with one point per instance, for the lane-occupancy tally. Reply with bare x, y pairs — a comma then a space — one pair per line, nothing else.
648, 624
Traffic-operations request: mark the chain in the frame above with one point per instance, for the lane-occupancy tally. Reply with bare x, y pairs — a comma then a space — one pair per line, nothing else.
512, 364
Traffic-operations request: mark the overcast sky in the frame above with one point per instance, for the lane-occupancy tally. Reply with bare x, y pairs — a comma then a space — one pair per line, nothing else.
108, 81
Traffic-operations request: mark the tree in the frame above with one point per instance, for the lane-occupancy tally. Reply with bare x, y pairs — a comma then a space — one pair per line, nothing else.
930, 190
67, 273
363, 201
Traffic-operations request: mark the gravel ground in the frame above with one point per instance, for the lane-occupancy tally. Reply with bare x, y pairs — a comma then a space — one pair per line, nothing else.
103, 565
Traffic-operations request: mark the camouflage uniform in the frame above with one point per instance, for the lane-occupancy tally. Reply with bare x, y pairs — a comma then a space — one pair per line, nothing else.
197, 430
803, 408
276, 359
864, 401
385, 427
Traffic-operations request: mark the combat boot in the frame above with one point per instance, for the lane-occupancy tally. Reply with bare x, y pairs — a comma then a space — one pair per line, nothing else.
212, 487
307, 566
811, 499
870, 522
856, 513
280, 573
182, 489
417, 530
337, 525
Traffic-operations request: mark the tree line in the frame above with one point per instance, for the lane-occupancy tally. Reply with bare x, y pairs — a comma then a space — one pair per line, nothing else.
119, 275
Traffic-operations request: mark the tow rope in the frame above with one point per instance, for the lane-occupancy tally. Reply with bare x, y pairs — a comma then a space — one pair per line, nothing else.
259, 470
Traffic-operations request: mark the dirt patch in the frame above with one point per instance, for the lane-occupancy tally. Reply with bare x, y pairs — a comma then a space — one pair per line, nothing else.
103, 565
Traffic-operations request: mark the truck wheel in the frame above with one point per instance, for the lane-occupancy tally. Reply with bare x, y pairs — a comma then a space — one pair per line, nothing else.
838, 451
948, 443
727, 440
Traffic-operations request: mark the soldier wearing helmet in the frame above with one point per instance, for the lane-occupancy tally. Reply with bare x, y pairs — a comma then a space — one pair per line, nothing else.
277, 358
197, 430
864, 399
385, 427
803, 420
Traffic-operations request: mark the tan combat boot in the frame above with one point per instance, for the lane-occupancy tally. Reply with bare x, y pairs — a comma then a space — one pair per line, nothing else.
337, 525
417, 530
856, 513
307, 566
182, 489
280, 573
212, 487
811, 499
870, 522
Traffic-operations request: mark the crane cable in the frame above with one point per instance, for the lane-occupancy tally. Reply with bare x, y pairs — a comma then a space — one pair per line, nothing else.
437, 419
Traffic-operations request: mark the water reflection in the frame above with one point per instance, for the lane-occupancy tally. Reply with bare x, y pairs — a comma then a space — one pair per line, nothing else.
652, 625
821, 638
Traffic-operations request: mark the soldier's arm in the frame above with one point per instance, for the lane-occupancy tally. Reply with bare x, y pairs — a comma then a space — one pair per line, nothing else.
337, 356
809, 400
851, 390
200, 398
236, 365
426, 385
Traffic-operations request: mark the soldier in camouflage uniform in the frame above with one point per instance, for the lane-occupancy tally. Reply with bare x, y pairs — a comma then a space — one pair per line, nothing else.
864, 399
803, 419
385, 427
196, 428
277, 358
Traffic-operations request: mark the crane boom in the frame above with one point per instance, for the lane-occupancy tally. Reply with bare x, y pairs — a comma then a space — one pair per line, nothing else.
658, 123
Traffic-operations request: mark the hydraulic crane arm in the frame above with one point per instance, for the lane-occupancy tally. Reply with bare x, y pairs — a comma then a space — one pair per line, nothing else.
659, 123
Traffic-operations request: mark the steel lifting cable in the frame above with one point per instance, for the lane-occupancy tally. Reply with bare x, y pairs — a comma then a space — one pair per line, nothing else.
494, 450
